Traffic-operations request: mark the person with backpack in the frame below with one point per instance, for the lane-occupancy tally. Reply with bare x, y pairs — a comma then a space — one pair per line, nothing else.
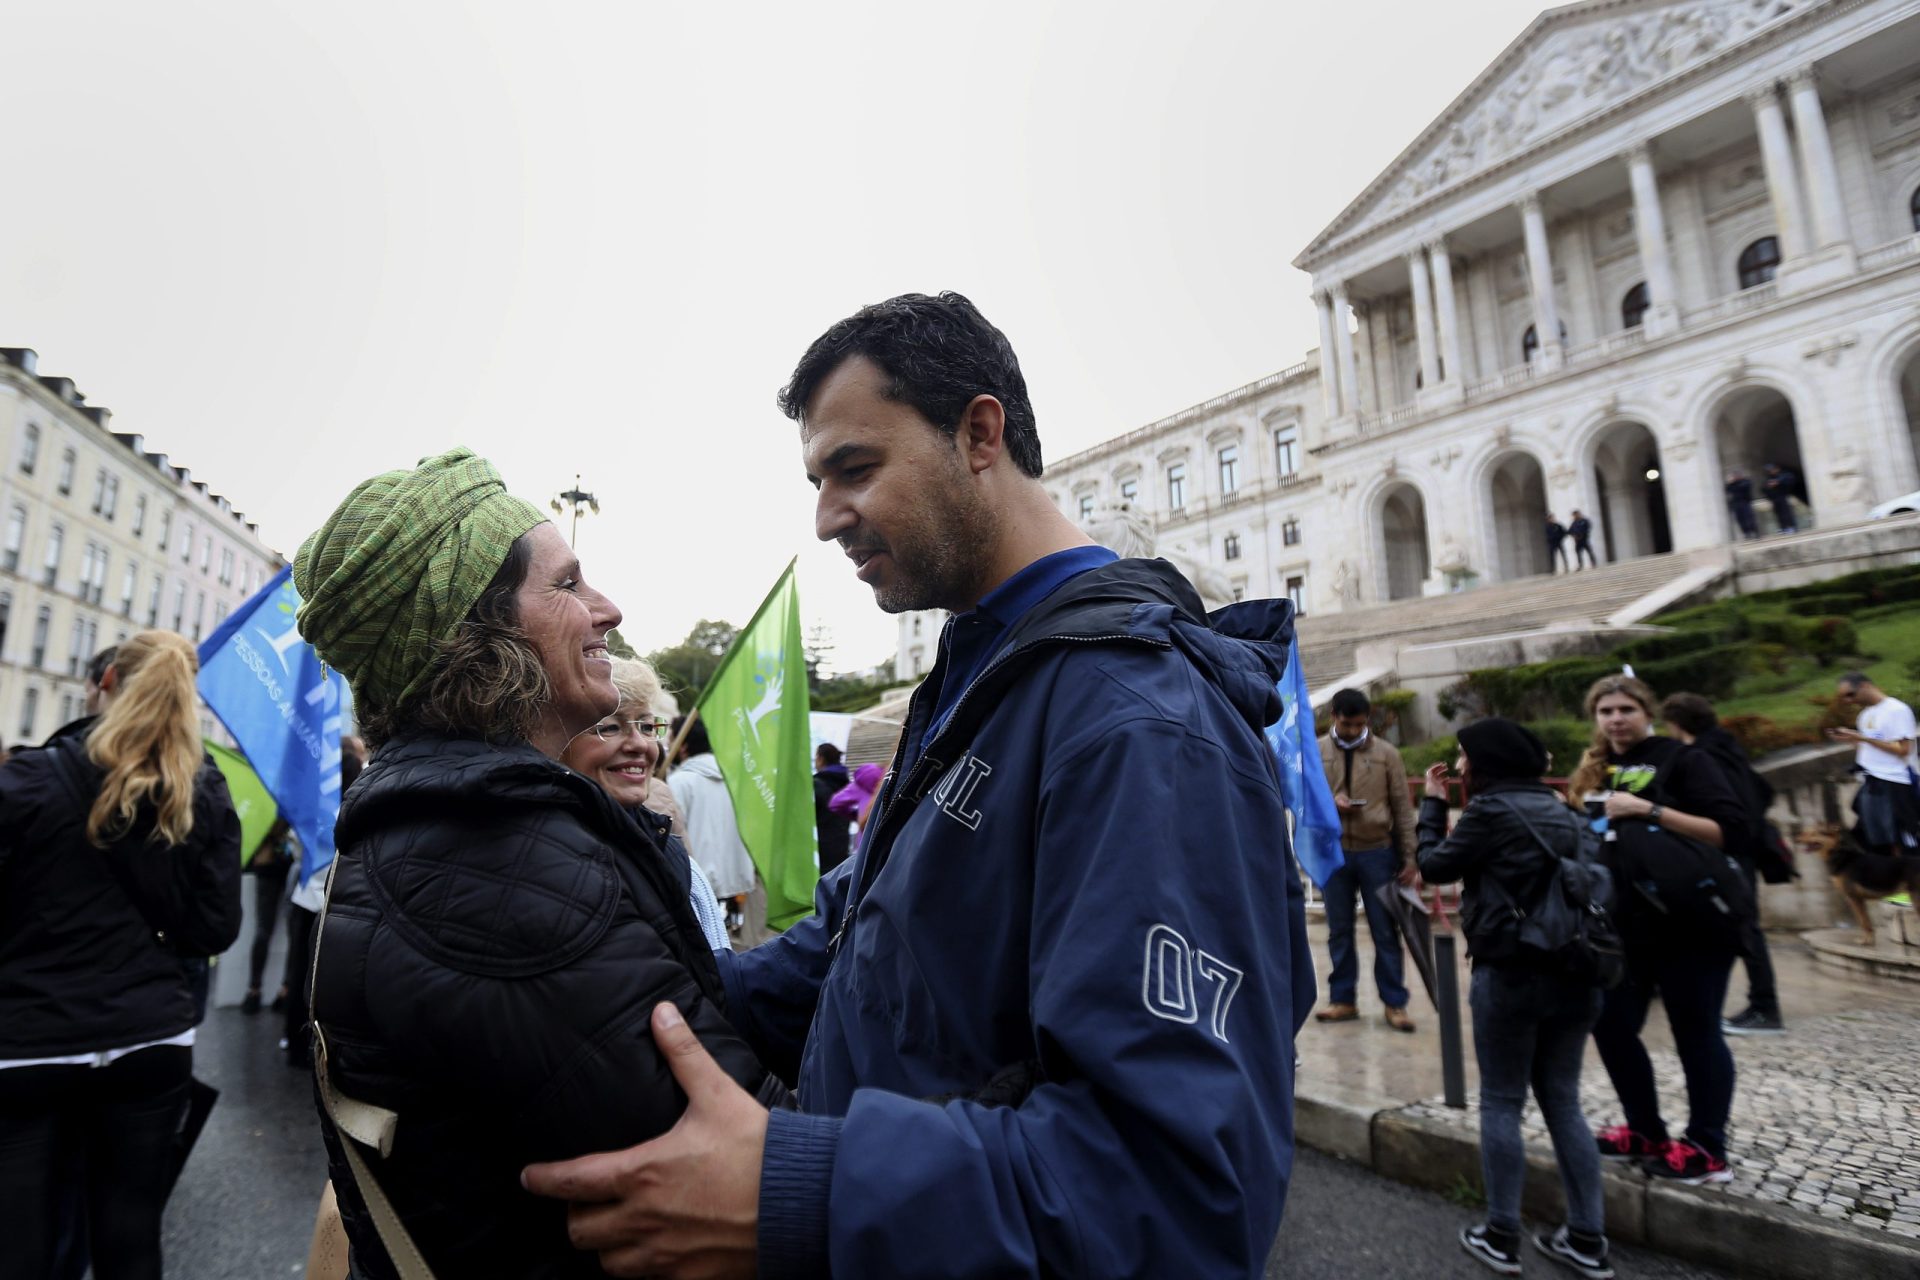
1532, 1011
1681, 904
1691, 719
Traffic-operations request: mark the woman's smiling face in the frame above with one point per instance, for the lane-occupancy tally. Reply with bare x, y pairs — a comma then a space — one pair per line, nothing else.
619, 753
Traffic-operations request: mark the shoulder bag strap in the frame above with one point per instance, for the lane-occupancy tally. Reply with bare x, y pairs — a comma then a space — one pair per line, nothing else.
359, 1124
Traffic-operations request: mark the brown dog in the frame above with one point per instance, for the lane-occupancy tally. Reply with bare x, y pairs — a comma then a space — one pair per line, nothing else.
1864, 876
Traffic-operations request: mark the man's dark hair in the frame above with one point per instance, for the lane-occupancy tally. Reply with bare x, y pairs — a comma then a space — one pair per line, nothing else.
696, 742
1351, 702
98, 664
1854, 679
828, 754
938, 354
1690, 711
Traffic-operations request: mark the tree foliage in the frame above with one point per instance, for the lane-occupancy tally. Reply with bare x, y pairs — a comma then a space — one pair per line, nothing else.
685, 668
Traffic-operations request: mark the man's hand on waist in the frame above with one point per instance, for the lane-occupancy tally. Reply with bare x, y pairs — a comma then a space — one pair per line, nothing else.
685, 1204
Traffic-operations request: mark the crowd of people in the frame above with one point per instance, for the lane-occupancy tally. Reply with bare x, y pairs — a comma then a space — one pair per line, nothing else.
1058, 959
1662, 827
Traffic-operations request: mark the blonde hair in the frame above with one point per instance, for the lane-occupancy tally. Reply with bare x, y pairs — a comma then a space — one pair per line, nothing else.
1593, 763
148, 740
637, 681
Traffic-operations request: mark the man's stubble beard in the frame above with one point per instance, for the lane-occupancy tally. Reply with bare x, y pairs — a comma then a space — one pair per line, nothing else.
939, 562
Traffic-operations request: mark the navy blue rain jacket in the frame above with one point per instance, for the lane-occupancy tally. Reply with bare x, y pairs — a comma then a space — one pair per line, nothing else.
1042, 1023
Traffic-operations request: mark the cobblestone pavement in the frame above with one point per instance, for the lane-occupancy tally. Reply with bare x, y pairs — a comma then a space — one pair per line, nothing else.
1826, 1119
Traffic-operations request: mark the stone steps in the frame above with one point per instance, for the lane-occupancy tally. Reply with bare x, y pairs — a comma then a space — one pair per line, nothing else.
1330, 641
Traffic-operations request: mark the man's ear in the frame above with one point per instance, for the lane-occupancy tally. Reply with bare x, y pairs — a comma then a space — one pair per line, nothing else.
980, 436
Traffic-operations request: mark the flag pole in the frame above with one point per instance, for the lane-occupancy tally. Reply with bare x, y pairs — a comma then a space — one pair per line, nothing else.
673, 748
686, 725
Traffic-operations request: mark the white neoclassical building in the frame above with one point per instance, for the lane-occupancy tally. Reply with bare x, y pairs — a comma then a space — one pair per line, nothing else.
102, 539
1652, 242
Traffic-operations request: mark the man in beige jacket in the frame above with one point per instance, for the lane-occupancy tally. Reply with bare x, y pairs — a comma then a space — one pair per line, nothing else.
1377, 838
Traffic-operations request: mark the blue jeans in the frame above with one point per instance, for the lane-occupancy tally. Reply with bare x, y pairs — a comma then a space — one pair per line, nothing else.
1363, 873
1531, 1029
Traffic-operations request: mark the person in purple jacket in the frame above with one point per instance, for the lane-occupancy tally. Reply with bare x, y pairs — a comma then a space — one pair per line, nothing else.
1042, 1021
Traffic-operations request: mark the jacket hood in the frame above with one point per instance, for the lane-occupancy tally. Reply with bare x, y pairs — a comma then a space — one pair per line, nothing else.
1241, 649
701, 766
407, 773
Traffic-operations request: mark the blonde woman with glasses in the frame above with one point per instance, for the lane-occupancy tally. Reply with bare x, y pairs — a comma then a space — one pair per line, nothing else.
621, 753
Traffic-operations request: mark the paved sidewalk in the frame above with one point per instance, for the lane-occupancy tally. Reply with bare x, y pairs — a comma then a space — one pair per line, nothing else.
1826, 1120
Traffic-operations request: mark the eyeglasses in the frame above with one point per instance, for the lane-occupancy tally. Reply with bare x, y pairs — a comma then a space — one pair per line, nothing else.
611, 730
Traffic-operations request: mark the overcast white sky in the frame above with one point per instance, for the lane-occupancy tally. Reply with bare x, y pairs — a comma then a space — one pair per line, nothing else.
295, 244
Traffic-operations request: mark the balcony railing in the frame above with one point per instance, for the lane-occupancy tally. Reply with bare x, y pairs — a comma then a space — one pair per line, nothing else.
1736, 304
1888, 254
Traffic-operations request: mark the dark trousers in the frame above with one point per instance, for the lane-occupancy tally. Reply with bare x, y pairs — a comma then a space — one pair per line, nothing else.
269, 889
1743, 516
110, 1129
1556, 549
1530, 1029
1693, 987
1363, 873
1761, 992
299, 959
1783, 515
1583, 555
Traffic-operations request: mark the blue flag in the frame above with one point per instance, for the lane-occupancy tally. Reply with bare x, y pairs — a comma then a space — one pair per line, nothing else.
282, 706
1303, 783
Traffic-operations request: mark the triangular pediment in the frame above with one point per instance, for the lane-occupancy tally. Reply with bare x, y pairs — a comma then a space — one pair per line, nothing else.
1570, 63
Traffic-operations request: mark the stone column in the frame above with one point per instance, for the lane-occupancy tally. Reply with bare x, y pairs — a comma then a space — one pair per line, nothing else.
1783, 183
1343, 347
1367, 335
1329, 371
1423, 319
1816, 154
1448, 312
1546, 314
1650, 227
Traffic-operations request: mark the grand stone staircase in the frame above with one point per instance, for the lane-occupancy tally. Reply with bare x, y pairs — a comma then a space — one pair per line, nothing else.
1329, 642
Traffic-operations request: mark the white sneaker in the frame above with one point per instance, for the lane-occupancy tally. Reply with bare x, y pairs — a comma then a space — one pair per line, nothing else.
1560, 1248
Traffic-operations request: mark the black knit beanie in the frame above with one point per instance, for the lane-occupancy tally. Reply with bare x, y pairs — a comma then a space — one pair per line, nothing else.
1498, 749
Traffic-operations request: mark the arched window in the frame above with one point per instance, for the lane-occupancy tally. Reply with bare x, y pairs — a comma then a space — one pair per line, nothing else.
1633, 307
1913, 207
1530, 341
1759, 261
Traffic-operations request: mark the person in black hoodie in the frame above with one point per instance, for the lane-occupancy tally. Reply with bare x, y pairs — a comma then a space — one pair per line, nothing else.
119, 857
499, 931
1691, 718
836, 834
1681, 790
1530, 1024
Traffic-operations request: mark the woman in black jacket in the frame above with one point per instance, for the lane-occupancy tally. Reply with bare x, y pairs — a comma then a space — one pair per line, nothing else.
498, 929
1678, 789
1530, 1023
119, 857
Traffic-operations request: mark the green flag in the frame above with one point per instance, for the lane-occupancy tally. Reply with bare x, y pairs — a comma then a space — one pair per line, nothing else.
755, 710
250, 799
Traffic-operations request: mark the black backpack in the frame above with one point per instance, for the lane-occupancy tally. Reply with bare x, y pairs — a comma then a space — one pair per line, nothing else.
1683, 882
1569, 926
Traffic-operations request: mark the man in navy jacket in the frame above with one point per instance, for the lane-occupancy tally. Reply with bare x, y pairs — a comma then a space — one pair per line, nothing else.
1042, 1022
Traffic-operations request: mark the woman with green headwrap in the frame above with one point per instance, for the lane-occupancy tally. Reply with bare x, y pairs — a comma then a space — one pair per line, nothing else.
498, 928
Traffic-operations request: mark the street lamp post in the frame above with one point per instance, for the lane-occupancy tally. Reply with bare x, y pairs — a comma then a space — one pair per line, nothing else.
578, 500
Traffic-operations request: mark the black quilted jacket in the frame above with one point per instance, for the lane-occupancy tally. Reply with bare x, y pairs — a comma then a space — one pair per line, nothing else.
91, 939
498, 934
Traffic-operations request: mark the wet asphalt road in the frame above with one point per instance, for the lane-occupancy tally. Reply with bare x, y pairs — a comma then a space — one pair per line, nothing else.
244, 1207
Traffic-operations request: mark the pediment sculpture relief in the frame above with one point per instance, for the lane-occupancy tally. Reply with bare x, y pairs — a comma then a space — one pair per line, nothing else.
1574, 71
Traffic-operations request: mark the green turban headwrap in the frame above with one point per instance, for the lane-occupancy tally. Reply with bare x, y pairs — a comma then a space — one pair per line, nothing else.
399, 564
